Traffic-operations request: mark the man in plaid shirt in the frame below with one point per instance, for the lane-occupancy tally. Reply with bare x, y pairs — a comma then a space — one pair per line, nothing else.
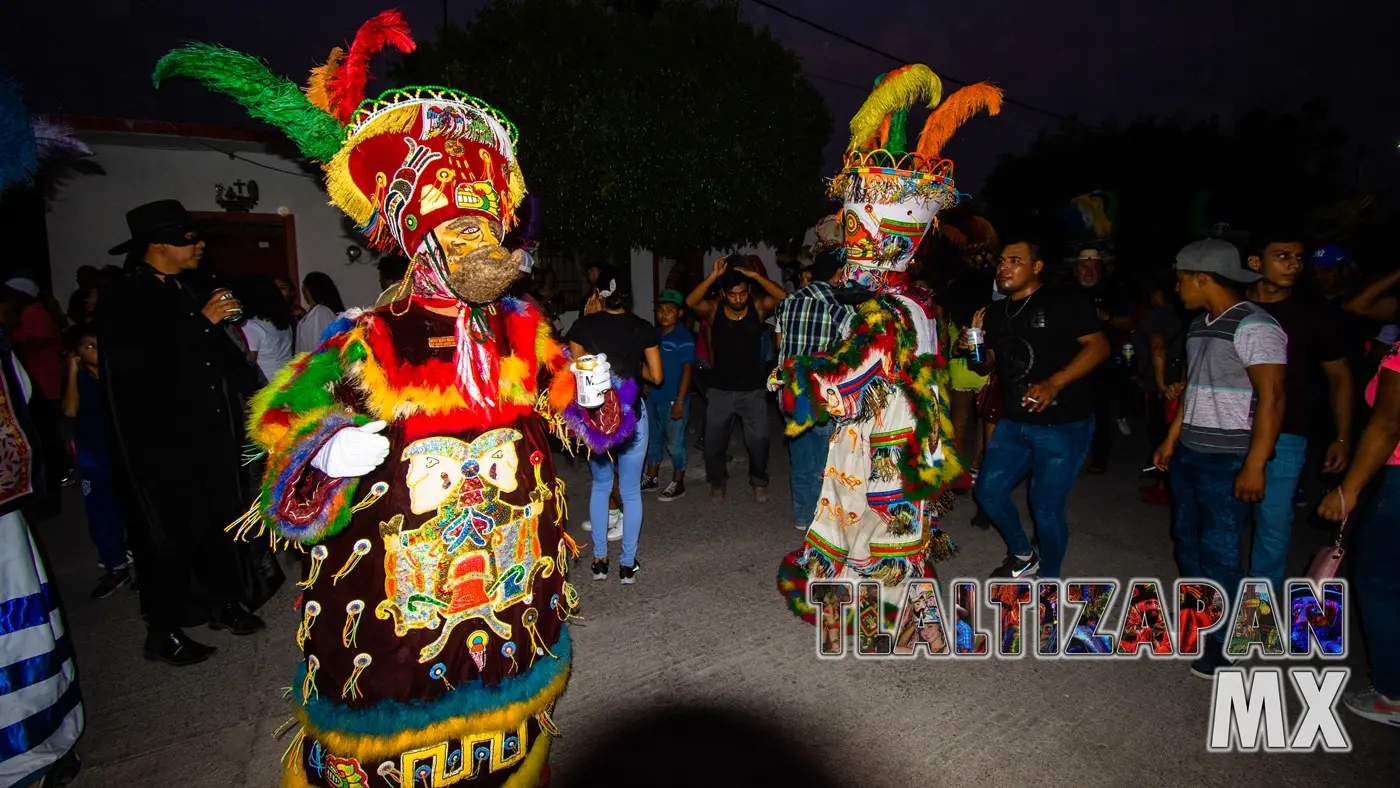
811, 320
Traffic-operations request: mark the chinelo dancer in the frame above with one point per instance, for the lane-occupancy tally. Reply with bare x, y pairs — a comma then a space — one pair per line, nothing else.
891, 458
41, 703
407, 456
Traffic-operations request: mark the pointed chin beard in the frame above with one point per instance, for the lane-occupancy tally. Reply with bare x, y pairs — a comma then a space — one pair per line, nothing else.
483, 275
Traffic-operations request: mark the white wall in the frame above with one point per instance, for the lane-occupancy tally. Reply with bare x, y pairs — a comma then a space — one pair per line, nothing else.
88, 215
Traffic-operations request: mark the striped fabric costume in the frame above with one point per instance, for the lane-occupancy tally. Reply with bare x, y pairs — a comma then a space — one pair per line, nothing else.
434, 589
41, 702
891, 459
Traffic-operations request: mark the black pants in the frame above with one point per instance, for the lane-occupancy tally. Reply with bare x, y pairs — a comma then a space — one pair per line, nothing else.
1106, 384
751, 408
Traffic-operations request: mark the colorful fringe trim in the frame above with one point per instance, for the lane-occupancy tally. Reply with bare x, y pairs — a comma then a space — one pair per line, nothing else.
597, 441
390, 727
792, 584
284, 468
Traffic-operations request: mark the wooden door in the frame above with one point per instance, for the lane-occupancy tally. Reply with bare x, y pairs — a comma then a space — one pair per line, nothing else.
243, 244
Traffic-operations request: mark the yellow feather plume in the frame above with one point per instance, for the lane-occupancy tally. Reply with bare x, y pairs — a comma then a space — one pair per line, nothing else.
316, 90
900, 89
954, 112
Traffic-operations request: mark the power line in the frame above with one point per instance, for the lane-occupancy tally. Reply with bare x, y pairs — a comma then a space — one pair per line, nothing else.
876, 50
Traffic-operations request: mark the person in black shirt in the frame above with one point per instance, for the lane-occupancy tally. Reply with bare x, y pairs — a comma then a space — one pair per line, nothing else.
1315, 344
1043, 342
737, 382
630, 345
1107, 383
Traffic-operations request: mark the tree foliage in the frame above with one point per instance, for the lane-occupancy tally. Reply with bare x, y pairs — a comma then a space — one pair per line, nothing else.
1172, 180
670, 125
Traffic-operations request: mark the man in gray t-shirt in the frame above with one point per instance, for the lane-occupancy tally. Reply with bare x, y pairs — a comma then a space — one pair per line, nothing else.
1218, 446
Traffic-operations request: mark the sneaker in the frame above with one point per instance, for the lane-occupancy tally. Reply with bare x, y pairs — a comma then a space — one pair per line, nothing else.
673, 491
628, 574
111, 581
615, 525
587, 525
650, 483
1373, 706
1018, 568
1212, 660
760, 494
1124, 428
600, 570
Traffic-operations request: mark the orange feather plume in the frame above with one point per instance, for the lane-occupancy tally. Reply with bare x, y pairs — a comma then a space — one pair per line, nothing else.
347, 85
318, 86
953, 112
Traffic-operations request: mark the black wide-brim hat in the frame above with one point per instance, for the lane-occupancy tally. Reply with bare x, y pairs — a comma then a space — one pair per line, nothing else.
162, 221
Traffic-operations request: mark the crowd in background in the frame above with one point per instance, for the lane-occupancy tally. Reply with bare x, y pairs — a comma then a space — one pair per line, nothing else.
1264, 375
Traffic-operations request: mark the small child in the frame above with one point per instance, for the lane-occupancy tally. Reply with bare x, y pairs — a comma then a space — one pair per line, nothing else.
82, 402
666, 403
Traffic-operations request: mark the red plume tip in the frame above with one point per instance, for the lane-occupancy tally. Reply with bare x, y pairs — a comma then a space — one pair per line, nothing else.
347, 87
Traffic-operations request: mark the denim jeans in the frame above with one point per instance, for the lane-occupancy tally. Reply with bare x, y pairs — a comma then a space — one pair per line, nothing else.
666, 430
751, 407
1273, 516
103, 515
808, 457
1207, 519
629, 458
1052, 455
1377, 586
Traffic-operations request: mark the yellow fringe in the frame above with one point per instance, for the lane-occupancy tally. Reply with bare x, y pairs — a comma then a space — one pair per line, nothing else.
368, 748
900, 89
340, 184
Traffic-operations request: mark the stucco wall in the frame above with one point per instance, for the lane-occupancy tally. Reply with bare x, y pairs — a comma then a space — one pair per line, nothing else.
88, 214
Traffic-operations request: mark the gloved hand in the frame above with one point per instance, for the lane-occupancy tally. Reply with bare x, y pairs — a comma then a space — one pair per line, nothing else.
352, 452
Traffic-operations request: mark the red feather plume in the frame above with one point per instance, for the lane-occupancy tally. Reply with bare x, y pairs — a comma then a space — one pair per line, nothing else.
347, 86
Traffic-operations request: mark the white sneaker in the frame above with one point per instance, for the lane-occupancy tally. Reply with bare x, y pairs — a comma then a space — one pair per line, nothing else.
587, 525
1124, 428
615, 525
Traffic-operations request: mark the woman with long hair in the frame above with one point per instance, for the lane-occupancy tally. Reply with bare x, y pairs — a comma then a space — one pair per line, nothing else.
267, 322
630, 344
324, 306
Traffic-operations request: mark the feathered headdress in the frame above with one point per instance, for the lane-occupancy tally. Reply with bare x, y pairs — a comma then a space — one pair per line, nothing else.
398, 165
28, 143
891, 193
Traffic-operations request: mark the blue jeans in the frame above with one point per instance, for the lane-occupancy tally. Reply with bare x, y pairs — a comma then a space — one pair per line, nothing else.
1273, 516
808, 458
1377, 586
104, 518
1207, 519
665, 429
629, 458
1052, 454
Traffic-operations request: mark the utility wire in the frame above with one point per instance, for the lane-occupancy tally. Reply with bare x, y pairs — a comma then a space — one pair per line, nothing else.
876, 50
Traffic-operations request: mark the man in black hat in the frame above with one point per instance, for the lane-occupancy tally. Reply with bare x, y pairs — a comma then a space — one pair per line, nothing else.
177, 381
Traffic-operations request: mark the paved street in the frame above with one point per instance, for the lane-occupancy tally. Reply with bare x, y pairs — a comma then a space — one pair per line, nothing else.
704, 625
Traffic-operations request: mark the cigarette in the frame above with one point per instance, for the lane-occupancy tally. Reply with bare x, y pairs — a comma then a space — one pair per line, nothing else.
1033, 399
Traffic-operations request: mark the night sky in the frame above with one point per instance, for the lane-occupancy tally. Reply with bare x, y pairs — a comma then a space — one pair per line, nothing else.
1096, 59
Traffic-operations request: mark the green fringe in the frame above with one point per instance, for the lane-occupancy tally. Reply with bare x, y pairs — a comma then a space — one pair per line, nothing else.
264, 95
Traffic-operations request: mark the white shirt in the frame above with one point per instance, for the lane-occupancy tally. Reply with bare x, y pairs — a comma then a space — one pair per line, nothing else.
312, 326
272, 344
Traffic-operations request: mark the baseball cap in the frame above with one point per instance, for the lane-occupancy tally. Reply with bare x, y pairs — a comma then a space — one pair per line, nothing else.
670, 296
1214, 256
1329, 257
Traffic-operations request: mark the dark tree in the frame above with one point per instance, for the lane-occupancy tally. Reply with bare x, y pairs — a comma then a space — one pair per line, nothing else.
671, 125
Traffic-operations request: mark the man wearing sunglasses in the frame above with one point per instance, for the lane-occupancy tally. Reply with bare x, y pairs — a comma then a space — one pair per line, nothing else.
177, 382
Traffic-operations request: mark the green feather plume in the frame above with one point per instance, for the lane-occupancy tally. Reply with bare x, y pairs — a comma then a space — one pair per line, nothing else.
265, 95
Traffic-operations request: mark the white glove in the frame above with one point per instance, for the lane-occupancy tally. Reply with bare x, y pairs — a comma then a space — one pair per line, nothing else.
352, 452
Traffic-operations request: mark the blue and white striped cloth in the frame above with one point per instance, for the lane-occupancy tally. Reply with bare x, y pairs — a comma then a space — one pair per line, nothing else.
41, 707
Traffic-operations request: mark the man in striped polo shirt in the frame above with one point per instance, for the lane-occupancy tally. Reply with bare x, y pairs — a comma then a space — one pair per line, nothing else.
1224, 433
